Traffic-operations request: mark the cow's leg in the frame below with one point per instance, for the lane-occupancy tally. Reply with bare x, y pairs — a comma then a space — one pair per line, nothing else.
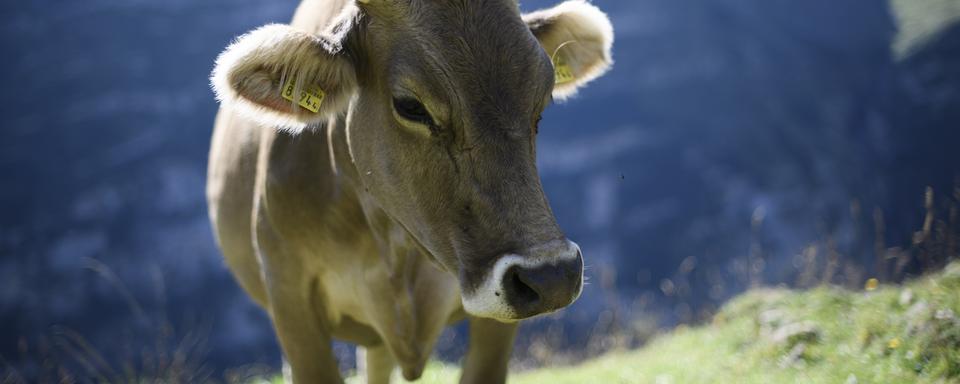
489, 352
307, 349
377, 362
297, 319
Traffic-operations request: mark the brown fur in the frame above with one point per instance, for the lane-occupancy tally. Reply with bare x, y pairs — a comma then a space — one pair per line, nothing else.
357, 224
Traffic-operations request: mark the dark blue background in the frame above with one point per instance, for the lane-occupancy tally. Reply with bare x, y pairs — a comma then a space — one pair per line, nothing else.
726, 128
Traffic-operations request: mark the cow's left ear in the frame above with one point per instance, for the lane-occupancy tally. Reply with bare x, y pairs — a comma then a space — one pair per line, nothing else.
578, 37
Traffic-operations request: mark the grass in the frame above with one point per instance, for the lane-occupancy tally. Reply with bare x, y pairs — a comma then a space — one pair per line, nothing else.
882, 334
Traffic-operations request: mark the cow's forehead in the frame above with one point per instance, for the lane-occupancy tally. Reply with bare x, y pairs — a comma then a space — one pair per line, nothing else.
481, 24
484, 44
463, 7
468, 29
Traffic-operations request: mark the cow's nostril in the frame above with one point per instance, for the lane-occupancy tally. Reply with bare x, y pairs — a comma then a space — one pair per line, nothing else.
540, 288
523, 294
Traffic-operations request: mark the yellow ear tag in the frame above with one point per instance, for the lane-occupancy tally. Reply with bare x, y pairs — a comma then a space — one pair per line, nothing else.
562, 72
310, 97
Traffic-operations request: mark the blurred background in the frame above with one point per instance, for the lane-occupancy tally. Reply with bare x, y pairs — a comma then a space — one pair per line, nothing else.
734, 144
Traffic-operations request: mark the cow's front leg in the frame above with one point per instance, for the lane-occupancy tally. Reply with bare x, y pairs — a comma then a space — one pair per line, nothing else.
489, 352
305, 344
297, 319
376, 364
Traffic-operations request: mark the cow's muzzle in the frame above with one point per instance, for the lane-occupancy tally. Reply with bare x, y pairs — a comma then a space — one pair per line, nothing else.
542, 279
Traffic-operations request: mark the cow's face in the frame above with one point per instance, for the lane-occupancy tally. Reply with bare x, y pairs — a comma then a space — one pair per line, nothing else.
442, 101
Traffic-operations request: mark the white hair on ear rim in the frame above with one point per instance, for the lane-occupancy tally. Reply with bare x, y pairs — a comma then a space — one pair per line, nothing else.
250, 73
582, 33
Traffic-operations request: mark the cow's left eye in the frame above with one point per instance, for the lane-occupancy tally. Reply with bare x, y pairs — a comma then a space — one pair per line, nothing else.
412, 109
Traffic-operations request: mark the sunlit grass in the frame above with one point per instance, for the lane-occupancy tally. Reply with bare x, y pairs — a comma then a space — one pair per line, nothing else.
887, 334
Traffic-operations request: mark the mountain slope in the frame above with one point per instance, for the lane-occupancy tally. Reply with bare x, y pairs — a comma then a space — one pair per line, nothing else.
886, 334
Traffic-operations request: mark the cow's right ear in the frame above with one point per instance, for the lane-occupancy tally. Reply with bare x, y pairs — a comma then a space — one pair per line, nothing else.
283, 77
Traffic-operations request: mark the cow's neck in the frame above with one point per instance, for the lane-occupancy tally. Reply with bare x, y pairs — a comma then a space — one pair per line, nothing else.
416, 299
348, 175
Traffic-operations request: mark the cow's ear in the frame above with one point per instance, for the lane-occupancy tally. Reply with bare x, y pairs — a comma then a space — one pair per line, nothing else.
283, 77
578, 37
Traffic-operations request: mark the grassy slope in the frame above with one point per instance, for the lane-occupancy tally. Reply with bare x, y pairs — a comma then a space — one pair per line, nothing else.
894, 334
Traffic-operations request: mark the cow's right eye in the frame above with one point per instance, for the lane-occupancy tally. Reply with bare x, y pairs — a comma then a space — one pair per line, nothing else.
412, 109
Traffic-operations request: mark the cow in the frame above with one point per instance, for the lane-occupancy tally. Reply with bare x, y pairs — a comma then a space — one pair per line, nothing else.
372, 176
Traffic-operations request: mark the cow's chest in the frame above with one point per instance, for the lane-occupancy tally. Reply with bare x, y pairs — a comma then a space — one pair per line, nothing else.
398, 298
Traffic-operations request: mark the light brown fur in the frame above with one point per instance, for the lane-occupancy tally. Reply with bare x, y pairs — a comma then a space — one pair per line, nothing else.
354, 223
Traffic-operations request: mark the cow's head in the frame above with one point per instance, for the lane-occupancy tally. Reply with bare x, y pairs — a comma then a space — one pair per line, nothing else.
442, 100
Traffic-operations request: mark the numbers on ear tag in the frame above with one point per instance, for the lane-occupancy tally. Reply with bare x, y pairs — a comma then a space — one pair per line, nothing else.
561, 71
310, 96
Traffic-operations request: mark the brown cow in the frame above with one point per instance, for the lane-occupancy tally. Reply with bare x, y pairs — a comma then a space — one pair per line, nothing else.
372, 175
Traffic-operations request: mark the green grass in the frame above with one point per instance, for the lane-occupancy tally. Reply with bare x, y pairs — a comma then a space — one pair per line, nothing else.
892, 334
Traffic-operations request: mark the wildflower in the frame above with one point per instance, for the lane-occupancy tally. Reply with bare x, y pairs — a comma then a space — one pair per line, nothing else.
871, 284
894, 343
